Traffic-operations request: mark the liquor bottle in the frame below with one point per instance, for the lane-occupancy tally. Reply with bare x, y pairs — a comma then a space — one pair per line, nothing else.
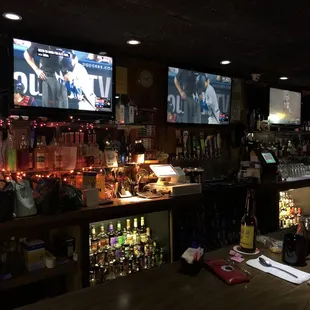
121, 112
137, 262
252, 120
161, 256
44, 147
207, 151
198, 149
23, 157
103, 238
215, 148
189, 147
135, 232
157, 257
249, 224
257, 120
194, 146
131, 112
122, 262
211, 145
71, 139
153, 260
128, 239
30, 162
185, 138
78, 164
119, 233
148, 235
179, 145
123, 151
142, 225
56, 155
202, 143
137, 238
130, 261
146, 256
219, 142
83, 149
89, 143
95, 149
40, 154
111, 235
126, 113
11, 153
94, 240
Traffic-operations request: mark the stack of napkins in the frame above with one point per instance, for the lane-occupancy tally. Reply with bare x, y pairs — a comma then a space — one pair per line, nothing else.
191, 255
302, 276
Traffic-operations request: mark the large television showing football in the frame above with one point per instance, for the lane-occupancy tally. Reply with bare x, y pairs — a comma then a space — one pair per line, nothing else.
284, 107
197, 97
46, 76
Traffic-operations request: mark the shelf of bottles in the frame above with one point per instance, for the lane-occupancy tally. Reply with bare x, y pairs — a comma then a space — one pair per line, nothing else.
65, 152
283, 144
289, 212
125, 246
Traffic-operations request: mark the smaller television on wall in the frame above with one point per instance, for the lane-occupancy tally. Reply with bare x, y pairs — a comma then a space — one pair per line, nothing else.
52, 78
284, 107
197, 97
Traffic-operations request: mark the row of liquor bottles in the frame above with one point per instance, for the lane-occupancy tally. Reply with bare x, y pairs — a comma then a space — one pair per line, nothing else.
122, 252
53, 156
197, 146
67, 151
289, 214
281, 147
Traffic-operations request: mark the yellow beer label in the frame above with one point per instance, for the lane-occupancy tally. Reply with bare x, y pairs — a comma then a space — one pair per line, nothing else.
100, 185
247, 237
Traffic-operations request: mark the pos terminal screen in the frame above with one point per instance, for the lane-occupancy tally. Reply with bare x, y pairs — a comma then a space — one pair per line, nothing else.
268, 157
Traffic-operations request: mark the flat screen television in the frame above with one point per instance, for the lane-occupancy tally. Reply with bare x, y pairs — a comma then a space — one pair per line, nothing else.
197, 97
54, 78
284, 107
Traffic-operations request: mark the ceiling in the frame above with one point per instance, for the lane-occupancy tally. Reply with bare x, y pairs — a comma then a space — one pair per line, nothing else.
264, 37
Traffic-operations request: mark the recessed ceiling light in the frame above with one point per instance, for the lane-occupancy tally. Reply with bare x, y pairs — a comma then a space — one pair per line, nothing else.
133, 42
225, 62
12, 16
283, 78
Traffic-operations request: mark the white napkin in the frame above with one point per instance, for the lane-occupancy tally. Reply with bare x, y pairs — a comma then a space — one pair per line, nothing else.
191, 255
302, 276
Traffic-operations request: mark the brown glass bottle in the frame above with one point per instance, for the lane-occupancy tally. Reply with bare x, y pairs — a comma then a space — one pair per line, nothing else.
249, 224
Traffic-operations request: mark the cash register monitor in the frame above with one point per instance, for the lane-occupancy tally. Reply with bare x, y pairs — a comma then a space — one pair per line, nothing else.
163, 172
268, 157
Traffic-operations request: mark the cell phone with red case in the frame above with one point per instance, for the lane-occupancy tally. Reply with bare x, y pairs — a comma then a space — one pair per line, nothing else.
226, 272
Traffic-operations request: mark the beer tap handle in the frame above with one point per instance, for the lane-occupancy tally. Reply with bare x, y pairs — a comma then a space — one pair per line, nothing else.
215, 145
219, 142
185, 138
211, 153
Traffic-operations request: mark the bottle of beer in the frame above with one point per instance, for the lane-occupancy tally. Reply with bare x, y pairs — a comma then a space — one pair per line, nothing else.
249, 224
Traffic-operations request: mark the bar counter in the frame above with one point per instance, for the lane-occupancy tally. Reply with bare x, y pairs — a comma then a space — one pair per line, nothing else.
167, 288
210, 219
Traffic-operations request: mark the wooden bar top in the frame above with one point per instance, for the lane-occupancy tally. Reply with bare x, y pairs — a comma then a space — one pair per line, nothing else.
167, 288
